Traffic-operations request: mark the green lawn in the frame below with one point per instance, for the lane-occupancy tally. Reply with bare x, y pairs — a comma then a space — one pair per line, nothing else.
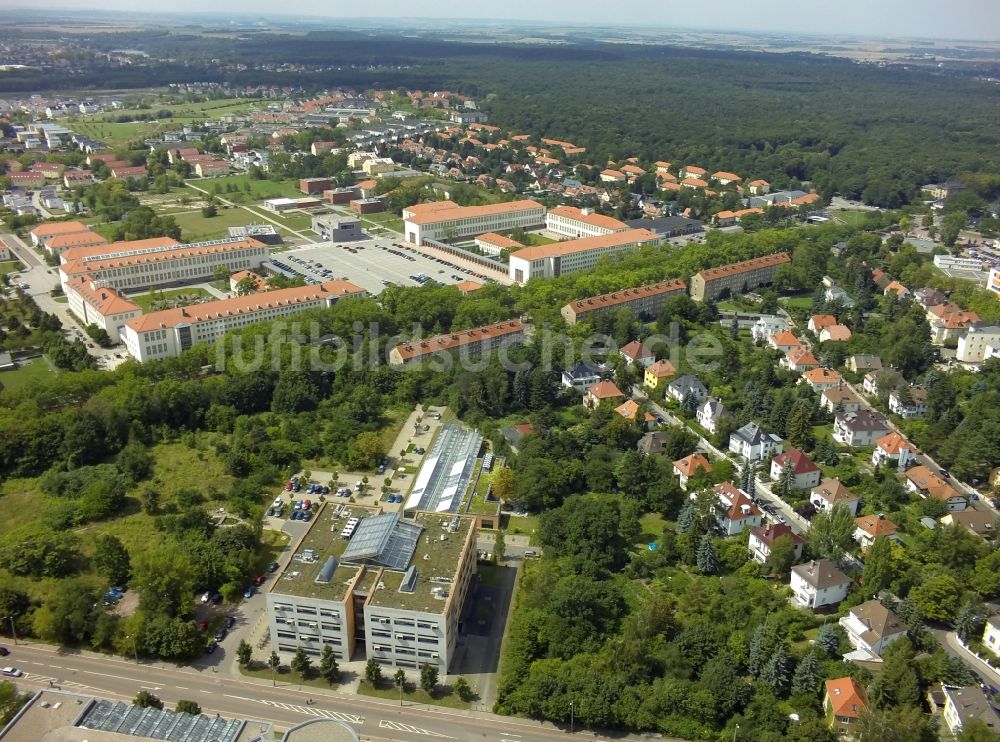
521, 524
853, 218
285, 676
197, 228
119, 135
413, 694
386, 219
9, 266
235, 188
537, 240
31, 373
802, 301
653, 525
174, 297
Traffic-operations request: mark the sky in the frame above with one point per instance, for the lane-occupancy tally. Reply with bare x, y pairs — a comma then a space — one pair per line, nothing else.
963, 19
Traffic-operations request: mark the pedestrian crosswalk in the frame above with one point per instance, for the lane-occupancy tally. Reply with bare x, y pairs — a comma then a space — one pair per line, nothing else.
401, 727
317, 712
53, 682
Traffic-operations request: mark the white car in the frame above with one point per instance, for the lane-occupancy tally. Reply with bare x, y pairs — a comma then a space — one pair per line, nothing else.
206, 597
276, 503
11, 672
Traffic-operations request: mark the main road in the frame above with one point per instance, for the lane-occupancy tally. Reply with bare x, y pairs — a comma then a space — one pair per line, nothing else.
284, 705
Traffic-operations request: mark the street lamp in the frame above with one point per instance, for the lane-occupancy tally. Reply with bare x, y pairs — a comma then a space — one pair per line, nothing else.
572, 718
735, 731
135, 645
12, 632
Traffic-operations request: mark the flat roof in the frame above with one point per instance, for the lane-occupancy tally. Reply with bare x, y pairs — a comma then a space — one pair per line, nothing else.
436, 561
444, 476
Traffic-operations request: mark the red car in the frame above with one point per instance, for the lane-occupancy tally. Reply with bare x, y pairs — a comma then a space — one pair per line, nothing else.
260, 580
288, 487
203, 625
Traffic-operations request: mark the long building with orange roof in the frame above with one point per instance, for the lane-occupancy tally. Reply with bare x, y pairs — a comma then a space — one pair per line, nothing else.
446, 220
570, 221
643, 301
157, 265
101, 305
476, 341
736, 278
168, 333
572, 256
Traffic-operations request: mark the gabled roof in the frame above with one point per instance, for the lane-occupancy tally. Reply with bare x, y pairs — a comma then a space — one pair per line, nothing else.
636, 351
687, 383
836, 333
879, 620
822, 376
738, 504
49, 230
689, 466
820, 573
752, 434
662, 369
893, 443
605, 390
784, 337
801, 357
840, 395
591, 217
630, 410
834, 492
875, 526
847, 697
714, 407
801, 464
819, 321
769, 534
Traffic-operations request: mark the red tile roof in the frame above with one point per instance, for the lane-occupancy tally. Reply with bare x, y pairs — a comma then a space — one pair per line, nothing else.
801, 464
605, 390
778, 258
449, 341
847, 698
689, 466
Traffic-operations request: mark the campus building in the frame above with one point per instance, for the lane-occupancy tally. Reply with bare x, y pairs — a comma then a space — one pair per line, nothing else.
644, 301
167, 333
388, 586
563, 258
96, 304
440, 220
736, 278
146, 263
476, 341
570, 221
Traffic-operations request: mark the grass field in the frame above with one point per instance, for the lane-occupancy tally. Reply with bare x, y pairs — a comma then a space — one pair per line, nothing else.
243, 189
853, 218
118, 135
190, 296
9, 266
386, 219
802, 301
537, 240
198, 228
27, 375
521, 524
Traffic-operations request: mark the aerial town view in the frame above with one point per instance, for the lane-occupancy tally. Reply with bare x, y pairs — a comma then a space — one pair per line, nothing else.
522, 373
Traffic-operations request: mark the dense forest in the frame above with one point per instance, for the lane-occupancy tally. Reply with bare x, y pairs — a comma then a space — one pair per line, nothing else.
862, 131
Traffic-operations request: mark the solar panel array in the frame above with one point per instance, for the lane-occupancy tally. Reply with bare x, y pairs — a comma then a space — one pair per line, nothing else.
446, 472
122, 718
384, 539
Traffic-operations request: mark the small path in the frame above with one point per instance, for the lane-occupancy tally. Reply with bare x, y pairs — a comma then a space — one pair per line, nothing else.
252, 211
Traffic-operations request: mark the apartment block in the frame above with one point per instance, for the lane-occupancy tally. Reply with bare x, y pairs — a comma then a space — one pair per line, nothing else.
168, 333
376, 584
563, 258
570, 221
736, 278
643, 301
446, 220
476, 341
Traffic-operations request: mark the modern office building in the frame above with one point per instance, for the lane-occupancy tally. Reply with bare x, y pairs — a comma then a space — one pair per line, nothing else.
563, 258
644, 301
476, 341
442, 220
736, 278
337, 228
131, 266
388, 586
167, 333
570, 221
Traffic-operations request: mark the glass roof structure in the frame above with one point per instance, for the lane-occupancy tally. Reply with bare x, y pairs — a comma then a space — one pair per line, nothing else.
387, 540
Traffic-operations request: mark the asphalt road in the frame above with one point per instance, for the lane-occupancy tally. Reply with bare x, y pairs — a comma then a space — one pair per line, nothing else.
284, 705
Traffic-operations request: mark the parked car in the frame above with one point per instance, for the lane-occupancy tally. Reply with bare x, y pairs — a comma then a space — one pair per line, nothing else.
272, 567
206, 597
307, 515
211, 647
230, 622
259, 580
203, 625
248, 593
221, 634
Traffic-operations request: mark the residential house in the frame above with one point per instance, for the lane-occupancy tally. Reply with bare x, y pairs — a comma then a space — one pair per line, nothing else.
867, 528
835, 334
831, 492
982, 523
974, 346
840, 399
754, 443
581, 376
612, 176
820, 321
962, 705
875, 381
844, 700
805, 473
689, 466
861, 428
766, 326
800, 360
629, 409
683, 386
602, 391
735, 511
709, 414
991, 634
948, 322
821, 379
836, 295
928, 297
908, 403
926, 483
784, 340
762, 540
818, 583
658, 373
636, 352
871, 627
895, 288
653, 442
517, 433
859, 363
759, 187
894, 450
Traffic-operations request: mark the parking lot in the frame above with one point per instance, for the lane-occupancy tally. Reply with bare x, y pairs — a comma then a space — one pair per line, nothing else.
372, 264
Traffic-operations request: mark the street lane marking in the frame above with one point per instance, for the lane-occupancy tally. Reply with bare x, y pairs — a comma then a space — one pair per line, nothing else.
313, 711
401, 727
105, 675
35, 678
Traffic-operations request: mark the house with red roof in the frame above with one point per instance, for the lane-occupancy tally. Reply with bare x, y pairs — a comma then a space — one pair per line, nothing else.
762, 540
844, 700
835, 334
821, 379
818, 321
629, 409
658, 372
689, 466
799, 359
636, 352
759, 187
894, 450
601, 392
806, 474
734, 510
867, 528
784, 340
